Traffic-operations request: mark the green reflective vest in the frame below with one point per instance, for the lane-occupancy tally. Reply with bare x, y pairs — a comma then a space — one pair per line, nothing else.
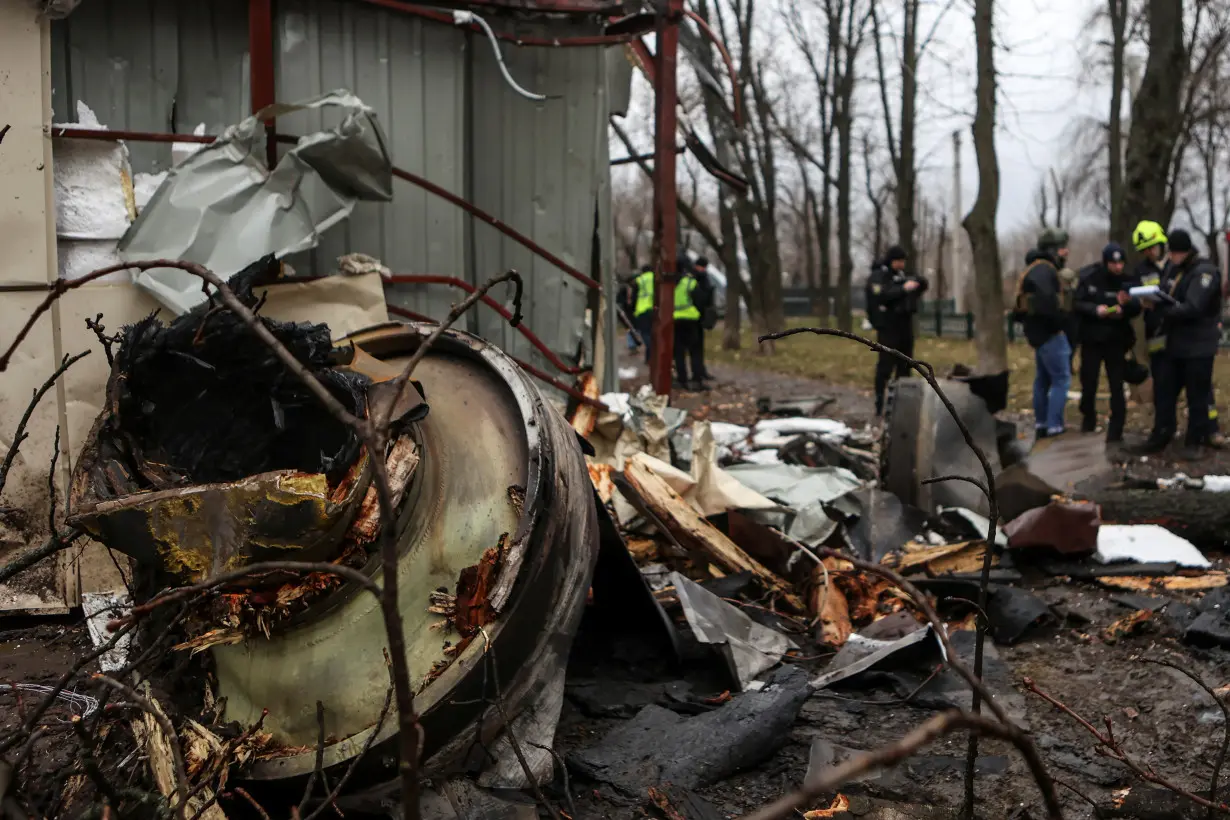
685, 307
644, 294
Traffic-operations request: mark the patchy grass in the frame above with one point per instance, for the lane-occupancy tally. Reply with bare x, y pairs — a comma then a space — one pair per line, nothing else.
840, 361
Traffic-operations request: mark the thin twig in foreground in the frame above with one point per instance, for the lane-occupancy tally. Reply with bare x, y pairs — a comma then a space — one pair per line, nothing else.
55, 543
168, 731
320, 758
508, 728
251, 571
252, 801
20, 434
354, 764
1225, 726
61, 684
834, 778
1109, 746
410, 733
928, 374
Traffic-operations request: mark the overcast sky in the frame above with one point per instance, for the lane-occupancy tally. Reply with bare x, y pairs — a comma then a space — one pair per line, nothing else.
1045, 87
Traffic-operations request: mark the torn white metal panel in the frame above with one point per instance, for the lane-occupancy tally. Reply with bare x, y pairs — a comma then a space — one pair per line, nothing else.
223, 207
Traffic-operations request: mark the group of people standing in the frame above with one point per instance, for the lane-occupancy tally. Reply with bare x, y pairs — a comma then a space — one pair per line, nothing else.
694, 314
1178, 293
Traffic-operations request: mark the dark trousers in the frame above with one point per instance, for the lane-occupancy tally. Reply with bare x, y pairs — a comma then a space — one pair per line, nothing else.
898, 338
1193, 376
689, 343
1093, 356
699, 361
644, 327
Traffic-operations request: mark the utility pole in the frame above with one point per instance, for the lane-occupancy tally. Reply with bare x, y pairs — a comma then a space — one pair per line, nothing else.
957, 277
665, 199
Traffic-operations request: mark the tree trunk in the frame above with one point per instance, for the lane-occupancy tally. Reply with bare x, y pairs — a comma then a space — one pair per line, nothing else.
941, 247
845, 267
732, 330
906, 172
1157, 119
822, 215
980, 222
809, 240
1118, 33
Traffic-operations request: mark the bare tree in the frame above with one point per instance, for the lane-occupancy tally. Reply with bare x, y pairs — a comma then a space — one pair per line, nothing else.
1212, 152
901, 143
845, 28
877, 198
751, 145
1184, 54
1118, 11
849, 19
979, 223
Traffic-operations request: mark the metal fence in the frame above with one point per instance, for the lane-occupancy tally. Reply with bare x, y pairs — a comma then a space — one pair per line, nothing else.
937, 318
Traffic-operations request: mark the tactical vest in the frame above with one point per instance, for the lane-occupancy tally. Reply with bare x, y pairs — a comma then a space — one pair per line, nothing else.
644, 294
685, 306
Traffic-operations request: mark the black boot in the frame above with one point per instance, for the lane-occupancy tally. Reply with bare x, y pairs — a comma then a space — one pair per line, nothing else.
1190, 452
1156, 443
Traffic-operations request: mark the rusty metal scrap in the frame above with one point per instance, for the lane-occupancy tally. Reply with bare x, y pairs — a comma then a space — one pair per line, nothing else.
1066, 527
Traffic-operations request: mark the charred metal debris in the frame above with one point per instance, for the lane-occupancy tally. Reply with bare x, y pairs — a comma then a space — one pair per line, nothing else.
694, 587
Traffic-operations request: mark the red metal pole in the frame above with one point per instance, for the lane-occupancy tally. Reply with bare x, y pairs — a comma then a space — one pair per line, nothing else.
665, 205
260, 63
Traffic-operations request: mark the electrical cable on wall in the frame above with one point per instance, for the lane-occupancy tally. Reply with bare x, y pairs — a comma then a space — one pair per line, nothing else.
465, 18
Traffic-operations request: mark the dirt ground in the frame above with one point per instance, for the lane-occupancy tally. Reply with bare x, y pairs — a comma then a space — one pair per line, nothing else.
1165, 721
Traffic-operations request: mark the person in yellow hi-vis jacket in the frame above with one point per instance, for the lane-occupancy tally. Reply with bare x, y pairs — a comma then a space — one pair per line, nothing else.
642, 310
688, 335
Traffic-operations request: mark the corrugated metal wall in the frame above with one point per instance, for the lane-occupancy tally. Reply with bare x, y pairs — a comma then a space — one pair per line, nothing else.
164, 65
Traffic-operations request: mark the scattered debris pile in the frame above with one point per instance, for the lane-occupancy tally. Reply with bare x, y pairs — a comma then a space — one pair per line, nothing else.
723, 579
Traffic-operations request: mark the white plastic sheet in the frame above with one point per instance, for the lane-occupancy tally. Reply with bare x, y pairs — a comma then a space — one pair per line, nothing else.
1147, 544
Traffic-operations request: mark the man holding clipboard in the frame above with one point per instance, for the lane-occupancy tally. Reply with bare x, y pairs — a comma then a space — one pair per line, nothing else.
1184, 311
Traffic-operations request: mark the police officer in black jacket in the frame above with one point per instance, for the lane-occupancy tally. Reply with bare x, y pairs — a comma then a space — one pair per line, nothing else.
1188, 315
892, 300
1105, 310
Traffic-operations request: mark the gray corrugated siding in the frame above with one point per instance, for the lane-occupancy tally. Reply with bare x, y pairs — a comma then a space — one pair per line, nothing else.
162, 65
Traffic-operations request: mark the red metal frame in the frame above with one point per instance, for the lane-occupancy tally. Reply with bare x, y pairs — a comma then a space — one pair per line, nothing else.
526, 366
509, 231
579, 7
665, 202
531, 337
435, 15
131, 136
260, 60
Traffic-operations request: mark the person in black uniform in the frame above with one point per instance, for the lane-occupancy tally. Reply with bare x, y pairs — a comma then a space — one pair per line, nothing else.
1188, 322
892, 300
1105, 311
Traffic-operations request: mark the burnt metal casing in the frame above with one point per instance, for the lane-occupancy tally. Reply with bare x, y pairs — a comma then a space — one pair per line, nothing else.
497, 464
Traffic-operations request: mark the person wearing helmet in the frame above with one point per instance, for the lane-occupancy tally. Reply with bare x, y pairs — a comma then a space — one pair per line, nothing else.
1039, 308
1105, 309
1188, 315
